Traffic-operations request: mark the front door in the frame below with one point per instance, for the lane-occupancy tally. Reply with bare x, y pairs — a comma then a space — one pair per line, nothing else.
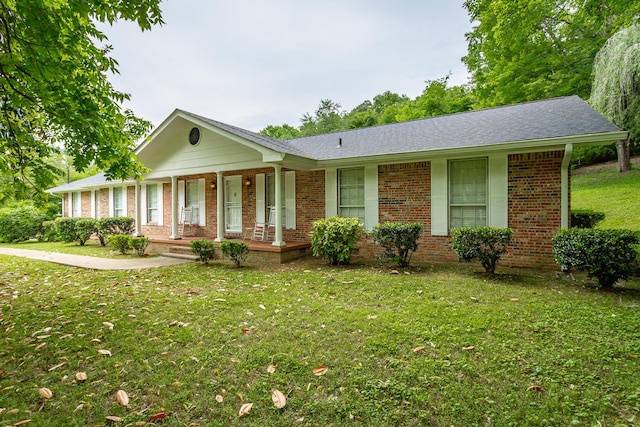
233, 204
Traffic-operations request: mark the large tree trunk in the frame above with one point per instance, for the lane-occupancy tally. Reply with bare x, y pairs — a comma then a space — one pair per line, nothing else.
623, 147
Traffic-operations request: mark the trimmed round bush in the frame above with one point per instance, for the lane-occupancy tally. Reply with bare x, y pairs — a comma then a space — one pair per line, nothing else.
606, 255
333, 238
120, 242
585, 218
236, 251
204, 250
139, 244
398, 239
484, 244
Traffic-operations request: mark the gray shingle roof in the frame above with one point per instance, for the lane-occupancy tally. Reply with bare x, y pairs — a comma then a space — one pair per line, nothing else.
81, 183
552, 118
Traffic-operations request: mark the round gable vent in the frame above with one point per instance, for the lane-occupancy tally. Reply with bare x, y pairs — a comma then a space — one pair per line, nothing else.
194, 136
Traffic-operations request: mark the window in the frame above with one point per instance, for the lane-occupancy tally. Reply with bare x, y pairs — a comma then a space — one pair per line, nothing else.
152, 203
192, 199
351, 193
468, 193
118, 202
75, 203
271, 197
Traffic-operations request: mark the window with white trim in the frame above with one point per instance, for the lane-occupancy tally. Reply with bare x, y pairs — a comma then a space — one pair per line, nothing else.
152, 203
351, 193
192, 198
467, 193
118, 201
76, 205
271, 197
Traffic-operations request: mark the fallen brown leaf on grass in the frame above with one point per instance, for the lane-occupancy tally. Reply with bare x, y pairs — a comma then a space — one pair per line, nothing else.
535, 388
271, 368
320, 370
418, 349
108, 325
46, 393
245, 409
469, 348
160, 416
105, 352
114, 419
81, 376
123, 398
279, 399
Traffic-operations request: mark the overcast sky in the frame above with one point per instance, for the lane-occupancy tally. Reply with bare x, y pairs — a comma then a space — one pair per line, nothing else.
267, 62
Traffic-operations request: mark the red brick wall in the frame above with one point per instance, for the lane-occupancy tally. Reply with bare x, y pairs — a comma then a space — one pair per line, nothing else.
405, 195
534, 207
85, 204
310, 204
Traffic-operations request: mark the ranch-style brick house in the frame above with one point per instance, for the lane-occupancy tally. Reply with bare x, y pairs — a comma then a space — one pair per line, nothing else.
503, 167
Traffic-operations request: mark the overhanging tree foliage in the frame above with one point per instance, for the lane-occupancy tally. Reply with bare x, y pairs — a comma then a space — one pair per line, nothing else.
616, 87
528, 50
54, 90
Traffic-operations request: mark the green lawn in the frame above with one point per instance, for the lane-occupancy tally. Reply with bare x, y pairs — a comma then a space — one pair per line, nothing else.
91, 248
605, 190
441, 346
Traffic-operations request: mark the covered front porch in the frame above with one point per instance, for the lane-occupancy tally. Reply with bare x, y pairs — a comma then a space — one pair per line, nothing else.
259, 252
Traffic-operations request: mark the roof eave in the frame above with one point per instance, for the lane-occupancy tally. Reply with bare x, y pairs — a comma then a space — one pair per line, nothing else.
514, 147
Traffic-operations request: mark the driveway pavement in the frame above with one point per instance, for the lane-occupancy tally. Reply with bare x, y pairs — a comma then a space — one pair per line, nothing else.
95, 263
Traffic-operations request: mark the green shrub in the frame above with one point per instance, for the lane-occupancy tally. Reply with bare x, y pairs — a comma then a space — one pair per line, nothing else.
236, 251
85, 227
20, 222
606, 255
116, 225
585, 218
204, 249
139, 244
333, 238
485, 244
399, 240
120, 242
66, 228
48, 232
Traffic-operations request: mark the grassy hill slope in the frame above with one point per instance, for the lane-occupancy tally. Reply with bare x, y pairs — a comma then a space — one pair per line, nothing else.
602, 189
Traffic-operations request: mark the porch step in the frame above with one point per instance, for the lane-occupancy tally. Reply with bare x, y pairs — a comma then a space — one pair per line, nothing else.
180, 252
180, 256
180, 249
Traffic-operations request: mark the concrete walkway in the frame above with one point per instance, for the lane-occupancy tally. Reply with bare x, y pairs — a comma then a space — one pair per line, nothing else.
94, 263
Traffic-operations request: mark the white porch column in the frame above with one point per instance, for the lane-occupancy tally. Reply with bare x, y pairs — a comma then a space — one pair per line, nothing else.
277, 240
174, 208
138, 224
219, 208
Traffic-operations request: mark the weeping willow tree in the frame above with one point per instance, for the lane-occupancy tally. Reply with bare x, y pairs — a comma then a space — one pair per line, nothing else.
616, 87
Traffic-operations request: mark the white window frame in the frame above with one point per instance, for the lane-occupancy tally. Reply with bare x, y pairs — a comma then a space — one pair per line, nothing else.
152, 205
119, 211
344, 187
76, 204
497, 196
480, 196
